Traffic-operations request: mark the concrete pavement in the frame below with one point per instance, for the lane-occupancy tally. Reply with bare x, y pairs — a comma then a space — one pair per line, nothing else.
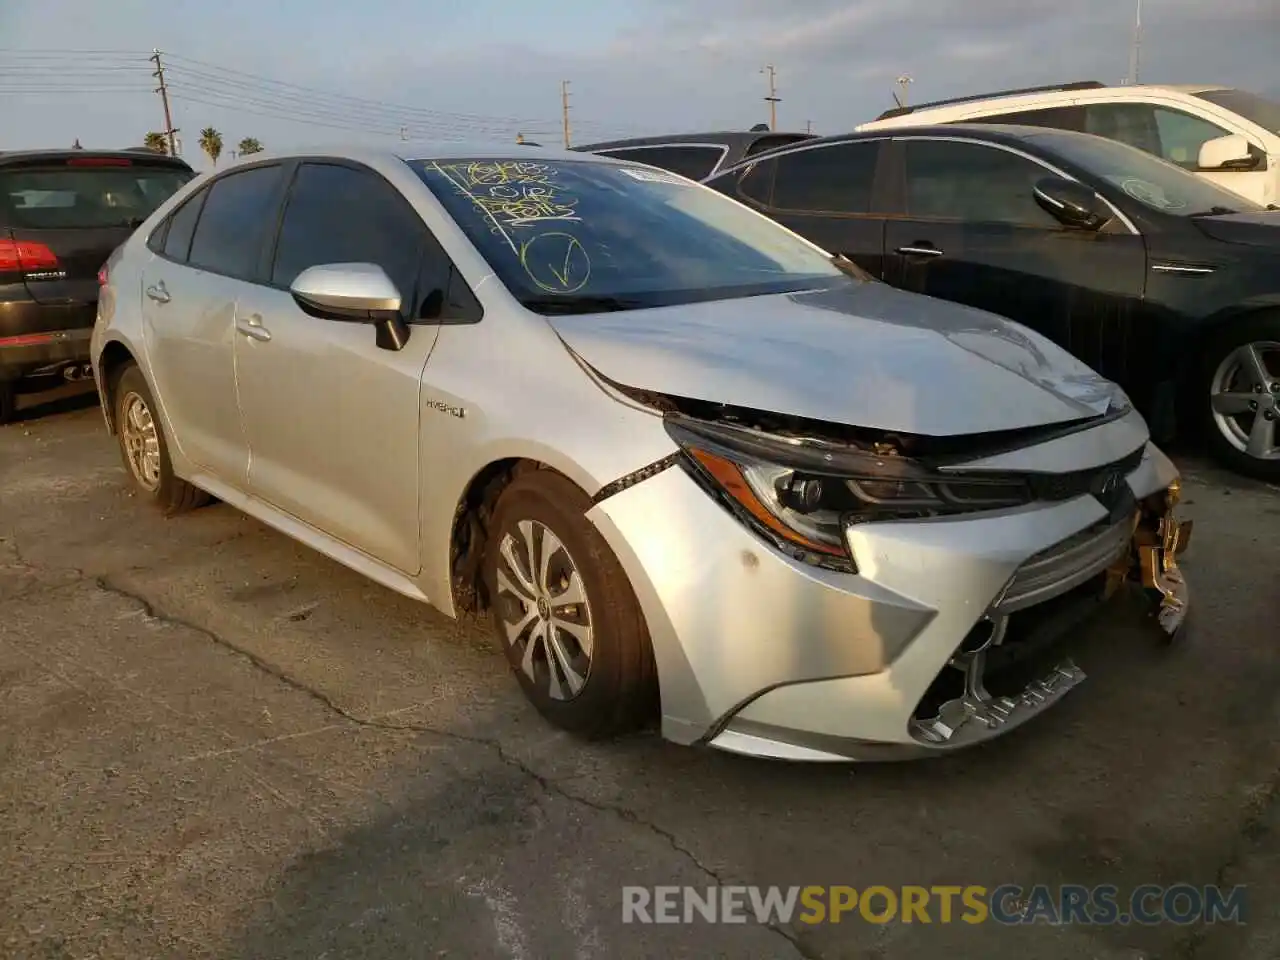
216, 743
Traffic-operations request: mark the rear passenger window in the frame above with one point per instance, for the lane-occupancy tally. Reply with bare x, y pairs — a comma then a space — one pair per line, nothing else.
757, 183
182, 226
761, 144
339, 214
692, 162
155, 242
974, 183
1056, 118
834, 179
237, 217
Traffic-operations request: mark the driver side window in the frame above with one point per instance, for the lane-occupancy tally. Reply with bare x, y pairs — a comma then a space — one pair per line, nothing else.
1163, 132
1182, 136
972, 183
342, 214
338, 214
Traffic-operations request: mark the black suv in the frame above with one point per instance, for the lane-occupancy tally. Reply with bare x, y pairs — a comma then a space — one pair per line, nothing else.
62, 213
1160, 280
696, 155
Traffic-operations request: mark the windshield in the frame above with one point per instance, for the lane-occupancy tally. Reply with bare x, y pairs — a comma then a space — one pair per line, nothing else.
67, 198
1153, 182
1265, 113
586, 235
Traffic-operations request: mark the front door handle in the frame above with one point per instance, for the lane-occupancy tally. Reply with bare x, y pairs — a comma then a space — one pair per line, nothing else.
158, 293
251, 326
920, 249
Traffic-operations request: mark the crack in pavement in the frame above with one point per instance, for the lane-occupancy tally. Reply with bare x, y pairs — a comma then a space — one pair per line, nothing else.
546, 784
1252, 830
106, 583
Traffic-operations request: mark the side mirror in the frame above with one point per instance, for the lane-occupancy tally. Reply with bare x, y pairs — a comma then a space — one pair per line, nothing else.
1072, 203
354, 293
1227, 153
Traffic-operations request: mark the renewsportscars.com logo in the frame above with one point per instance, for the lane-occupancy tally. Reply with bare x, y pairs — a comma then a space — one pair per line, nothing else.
1008, 904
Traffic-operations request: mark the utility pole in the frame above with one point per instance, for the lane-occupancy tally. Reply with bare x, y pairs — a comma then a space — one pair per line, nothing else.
564, 109
169, 130
772, 99
1135, 54
808, 126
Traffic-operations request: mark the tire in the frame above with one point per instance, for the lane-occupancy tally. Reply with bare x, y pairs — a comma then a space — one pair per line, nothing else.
152, 473
8, 401
618, 688
1227, 388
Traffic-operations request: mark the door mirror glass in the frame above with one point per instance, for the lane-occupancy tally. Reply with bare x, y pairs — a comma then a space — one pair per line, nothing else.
1073, 204
346, 291
1227, 153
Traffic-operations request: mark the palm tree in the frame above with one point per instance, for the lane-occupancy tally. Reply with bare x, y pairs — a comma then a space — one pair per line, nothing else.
156, 142
211, 143
249, 145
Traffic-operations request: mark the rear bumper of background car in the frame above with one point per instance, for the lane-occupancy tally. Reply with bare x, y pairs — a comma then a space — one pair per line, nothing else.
24, 354
761, 654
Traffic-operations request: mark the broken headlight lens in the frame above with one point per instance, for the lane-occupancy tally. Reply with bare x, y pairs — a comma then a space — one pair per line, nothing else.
803, 495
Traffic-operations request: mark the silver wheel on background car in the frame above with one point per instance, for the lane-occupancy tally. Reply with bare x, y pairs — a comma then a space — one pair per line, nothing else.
1245, 399
544, 610
141, 441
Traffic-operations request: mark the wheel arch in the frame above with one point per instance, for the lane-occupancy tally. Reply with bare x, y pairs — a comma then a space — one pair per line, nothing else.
115, 356
469, 527
1202, 335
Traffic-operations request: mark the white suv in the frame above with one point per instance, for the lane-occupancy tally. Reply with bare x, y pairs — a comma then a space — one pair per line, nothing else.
1225, 135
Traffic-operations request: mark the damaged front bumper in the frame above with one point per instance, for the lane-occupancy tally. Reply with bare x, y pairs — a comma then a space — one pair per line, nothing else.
1159, 538
1148, 560
761, 654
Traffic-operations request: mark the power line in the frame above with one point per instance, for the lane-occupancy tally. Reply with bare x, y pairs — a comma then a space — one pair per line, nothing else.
195, 81
227, 76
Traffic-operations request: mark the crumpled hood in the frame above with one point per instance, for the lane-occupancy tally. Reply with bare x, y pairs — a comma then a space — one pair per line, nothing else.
863, 355
1255, 229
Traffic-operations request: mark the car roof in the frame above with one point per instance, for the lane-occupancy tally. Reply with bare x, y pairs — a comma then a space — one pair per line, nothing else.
1036, 97
418, 150
729, 138
31, 157
1009, 134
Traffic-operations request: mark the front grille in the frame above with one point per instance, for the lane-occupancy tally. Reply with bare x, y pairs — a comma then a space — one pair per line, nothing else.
1065, 486
1065, 565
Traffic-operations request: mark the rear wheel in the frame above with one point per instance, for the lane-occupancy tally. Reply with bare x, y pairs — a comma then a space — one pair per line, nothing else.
144, 450
8, 400
564, 612
1242, 406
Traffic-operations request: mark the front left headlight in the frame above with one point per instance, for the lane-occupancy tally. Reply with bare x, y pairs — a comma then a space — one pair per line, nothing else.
802, 495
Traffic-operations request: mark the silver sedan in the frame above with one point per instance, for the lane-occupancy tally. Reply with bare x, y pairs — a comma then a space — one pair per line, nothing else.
698, 469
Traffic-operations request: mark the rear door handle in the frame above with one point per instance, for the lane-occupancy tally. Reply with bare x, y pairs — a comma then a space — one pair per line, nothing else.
920, 250
158, 293
251, 326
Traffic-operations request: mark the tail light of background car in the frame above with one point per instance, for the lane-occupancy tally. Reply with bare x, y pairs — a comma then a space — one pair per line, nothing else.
25, 256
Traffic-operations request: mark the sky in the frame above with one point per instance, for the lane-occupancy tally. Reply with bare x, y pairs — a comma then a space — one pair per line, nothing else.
287, 74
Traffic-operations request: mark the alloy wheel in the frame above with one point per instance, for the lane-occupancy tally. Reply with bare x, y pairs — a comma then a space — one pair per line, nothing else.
544, 610
1244, 395
141, 441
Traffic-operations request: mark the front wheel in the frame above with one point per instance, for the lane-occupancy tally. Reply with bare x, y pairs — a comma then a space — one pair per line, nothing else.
564, 612
144, 449
1242, 397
